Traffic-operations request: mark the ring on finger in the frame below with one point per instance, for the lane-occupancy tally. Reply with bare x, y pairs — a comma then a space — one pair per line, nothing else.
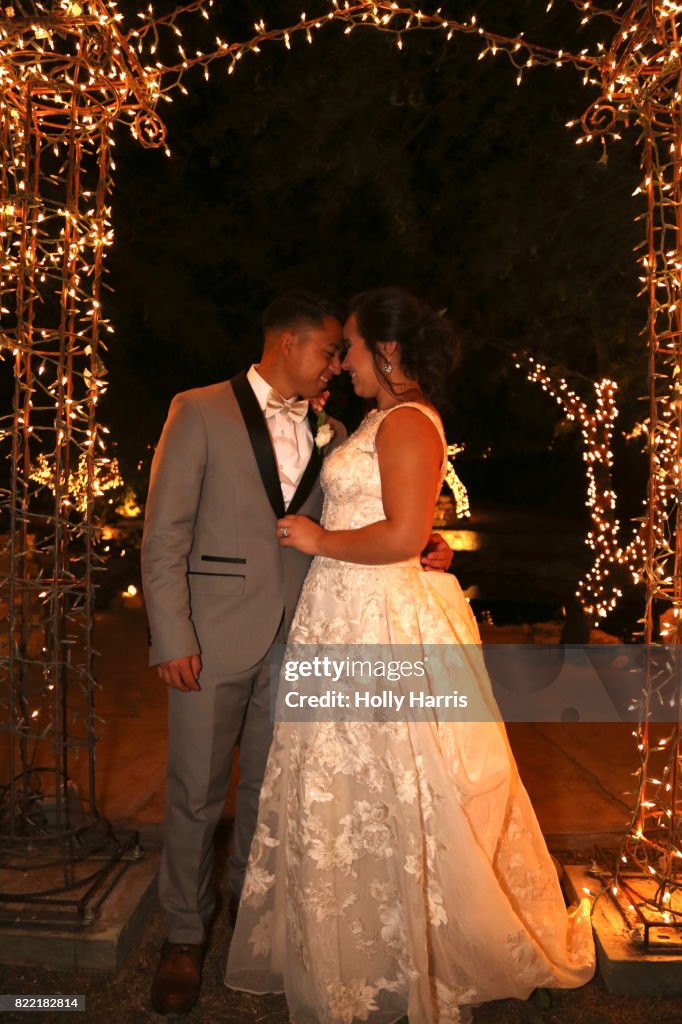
283, 531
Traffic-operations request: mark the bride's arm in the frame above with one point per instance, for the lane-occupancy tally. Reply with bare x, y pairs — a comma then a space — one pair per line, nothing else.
410, 454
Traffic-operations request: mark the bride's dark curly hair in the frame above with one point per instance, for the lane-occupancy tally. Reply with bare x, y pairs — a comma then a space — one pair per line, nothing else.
428, 345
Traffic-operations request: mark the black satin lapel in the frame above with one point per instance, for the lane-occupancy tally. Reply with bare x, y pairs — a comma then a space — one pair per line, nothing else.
310, 473
259, 436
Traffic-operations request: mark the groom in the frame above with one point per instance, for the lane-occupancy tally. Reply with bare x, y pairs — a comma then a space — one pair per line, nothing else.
220, 592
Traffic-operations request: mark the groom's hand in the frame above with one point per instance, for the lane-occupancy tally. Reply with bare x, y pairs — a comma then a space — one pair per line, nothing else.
181, 673
437, 555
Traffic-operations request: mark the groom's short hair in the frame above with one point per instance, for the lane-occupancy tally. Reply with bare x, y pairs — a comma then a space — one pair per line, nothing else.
296, 309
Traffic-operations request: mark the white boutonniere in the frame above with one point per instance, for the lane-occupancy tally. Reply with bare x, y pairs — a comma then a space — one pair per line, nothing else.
324, 432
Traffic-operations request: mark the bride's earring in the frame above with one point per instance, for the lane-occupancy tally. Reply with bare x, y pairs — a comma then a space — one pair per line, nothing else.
387, 368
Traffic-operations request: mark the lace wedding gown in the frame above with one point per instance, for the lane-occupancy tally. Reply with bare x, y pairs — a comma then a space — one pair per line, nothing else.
397, 867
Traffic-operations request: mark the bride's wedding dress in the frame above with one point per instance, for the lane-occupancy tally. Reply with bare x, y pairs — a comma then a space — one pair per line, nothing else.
397, 867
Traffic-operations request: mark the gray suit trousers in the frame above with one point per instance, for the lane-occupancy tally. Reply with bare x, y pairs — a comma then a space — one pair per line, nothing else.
203, 730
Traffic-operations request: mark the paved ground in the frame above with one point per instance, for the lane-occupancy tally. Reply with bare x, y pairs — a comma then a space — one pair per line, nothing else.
576, 772
125, 999
578, 775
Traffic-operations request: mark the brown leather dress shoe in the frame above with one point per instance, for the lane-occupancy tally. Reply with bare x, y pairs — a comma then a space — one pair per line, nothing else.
177, 980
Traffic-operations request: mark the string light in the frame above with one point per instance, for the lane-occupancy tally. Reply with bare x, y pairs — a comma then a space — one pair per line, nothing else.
599, 589
78, 486
79, 73
457, 488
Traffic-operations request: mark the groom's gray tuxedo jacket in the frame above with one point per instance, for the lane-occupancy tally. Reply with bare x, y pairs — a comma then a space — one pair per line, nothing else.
216, 581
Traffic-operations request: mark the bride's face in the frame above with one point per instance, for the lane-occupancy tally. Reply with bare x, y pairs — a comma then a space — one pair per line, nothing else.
359, 361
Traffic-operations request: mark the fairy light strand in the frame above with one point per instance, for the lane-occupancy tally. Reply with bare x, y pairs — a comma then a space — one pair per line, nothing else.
599, 590
69, 74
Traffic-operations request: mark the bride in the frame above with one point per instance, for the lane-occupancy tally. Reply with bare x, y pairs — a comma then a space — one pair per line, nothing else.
397, 866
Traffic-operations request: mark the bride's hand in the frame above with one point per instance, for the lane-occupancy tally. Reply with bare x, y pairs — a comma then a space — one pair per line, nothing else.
437, 555
299, 532
318, 403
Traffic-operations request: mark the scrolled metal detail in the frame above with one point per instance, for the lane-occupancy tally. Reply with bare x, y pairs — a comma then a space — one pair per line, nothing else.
149, 129
600, 118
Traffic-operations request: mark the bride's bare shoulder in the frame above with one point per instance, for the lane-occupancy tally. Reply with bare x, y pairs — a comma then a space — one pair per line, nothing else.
410, 422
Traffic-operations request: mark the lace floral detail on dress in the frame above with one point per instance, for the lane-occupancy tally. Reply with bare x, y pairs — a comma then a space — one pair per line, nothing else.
350, 478
259, 880
448, 1000
397, 866
324, 903
352, 1001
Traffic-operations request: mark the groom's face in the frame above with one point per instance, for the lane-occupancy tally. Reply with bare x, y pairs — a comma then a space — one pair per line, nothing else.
315, 357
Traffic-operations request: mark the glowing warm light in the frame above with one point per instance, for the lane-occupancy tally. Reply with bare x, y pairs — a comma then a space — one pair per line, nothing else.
128, 507
599, 590
457, 488
79, 487
462, 540
73, 73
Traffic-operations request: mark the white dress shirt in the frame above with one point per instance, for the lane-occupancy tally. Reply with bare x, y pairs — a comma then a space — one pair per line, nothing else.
292, 442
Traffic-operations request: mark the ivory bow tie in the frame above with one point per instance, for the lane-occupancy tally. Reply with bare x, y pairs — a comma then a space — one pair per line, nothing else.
295, 408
